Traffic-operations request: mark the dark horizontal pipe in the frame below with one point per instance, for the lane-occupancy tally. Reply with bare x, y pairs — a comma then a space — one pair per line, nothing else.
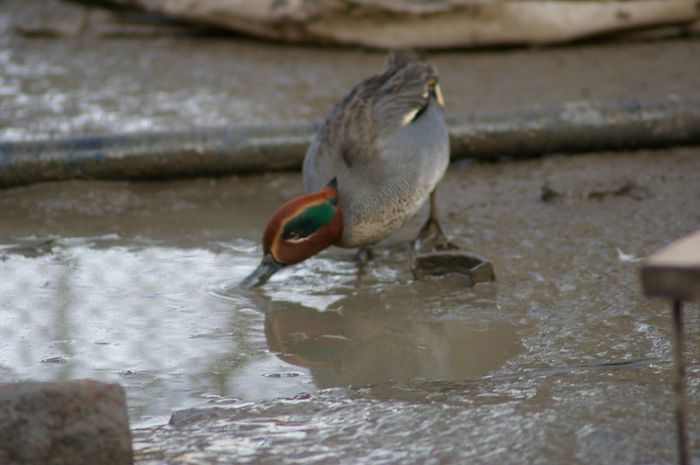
212, 151
575, 128
572, 128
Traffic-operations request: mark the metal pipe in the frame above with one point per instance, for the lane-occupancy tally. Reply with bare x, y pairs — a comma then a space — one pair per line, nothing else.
215, 151
572, 128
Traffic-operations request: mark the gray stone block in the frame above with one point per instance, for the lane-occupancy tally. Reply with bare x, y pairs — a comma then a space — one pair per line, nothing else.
64, 423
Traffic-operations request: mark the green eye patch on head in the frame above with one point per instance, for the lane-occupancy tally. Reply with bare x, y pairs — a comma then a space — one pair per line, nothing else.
309, 221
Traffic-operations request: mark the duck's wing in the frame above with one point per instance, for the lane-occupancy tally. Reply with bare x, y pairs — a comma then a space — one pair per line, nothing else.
377, 106
405, 95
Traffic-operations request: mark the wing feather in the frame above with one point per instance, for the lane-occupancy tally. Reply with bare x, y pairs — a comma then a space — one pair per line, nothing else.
380, 104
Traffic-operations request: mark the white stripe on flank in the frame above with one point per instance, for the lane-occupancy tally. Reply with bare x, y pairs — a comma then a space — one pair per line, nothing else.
438, 95
408, 117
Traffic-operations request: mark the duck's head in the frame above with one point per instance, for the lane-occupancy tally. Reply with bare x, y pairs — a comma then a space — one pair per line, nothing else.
299, 229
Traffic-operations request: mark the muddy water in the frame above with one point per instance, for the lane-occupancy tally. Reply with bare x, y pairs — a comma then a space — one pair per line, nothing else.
561, 360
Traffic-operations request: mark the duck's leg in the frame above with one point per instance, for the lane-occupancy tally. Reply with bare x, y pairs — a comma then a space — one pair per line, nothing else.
364, 255
431, 234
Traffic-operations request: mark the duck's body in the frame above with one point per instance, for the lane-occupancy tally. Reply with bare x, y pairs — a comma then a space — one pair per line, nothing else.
374, 162
386, 143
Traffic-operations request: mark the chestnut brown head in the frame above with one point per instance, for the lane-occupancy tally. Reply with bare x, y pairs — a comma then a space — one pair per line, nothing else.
300, 228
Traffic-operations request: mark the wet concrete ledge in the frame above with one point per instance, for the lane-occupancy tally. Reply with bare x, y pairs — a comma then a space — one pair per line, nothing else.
575, 127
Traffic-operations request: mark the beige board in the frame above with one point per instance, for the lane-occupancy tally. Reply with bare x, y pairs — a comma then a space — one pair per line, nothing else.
674, 271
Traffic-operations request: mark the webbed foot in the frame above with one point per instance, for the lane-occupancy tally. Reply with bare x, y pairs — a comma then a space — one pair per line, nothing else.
431, 236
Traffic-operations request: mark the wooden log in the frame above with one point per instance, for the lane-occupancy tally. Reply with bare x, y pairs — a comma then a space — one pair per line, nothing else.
435, 24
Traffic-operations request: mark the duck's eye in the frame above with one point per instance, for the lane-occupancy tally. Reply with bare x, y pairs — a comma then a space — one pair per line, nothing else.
308, 222
291, 235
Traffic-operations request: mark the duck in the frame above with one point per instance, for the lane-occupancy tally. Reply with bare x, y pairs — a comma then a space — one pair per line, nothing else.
376, 159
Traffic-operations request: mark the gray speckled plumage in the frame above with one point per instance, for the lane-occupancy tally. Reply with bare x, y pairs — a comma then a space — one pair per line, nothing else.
387, 144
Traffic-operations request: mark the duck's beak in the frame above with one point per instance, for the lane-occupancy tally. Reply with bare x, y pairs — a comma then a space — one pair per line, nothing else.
267, 267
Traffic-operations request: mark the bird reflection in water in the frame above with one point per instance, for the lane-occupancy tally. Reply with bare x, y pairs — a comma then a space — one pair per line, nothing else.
365, 346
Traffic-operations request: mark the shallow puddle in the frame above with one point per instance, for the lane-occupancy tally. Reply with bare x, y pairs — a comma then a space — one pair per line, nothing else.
169, 324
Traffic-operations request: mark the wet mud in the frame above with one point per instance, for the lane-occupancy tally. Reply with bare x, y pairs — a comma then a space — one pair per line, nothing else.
559, 360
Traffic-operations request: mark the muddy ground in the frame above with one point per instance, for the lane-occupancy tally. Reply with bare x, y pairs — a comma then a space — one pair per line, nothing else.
135, 288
